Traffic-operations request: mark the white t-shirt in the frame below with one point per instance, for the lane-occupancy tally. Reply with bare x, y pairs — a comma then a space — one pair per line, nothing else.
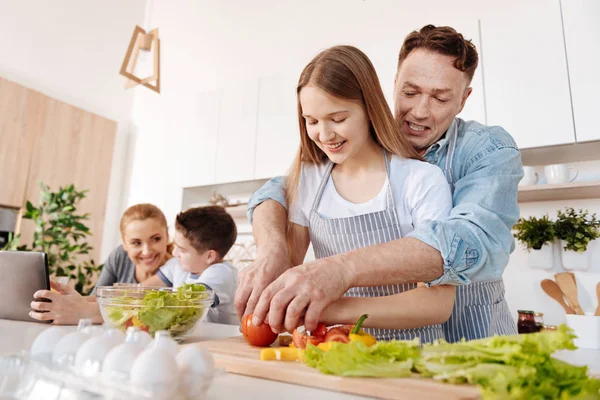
221, 278
420, 192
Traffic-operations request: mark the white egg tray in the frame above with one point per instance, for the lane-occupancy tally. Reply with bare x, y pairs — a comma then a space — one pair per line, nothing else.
22, 378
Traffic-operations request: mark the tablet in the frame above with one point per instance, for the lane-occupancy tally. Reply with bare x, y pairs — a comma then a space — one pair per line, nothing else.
23, 273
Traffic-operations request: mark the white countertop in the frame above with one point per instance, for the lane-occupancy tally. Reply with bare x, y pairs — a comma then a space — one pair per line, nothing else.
16, 336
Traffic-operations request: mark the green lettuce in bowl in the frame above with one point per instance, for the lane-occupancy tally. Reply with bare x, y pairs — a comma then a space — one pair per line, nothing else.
155, 309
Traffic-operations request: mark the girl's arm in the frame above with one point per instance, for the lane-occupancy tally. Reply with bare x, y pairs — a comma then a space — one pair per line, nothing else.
415, 308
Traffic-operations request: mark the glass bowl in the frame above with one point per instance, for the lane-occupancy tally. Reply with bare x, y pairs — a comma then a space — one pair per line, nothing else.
154, 309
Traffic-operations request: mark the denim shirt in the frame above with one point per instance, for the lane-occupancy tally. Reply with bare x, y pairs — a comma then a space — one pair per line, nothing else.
475, 241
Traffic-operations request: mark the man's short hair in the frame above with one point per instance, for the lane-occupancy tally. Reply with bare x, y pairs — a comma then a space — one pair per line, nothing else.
443, 40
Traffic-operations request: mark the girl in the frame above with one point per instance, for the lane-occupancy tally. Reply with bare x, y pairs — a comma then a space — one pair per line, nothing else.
357, 182
145, 248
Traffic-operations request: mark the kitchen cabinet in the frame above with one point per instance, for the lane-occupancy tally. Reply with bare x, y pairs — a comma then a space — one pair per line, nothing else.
197, 157
582, 38
72, 146
18, 114
277, 132
45, 140
236, 138
525, 72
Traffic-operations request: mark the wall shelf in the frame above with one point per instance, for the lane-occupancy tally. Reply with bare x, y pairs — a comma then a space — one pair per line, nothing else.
563, 191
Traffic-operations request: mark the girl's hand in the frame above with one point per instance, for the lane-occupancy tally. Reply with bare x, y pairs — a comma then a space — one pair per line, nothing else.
67, 306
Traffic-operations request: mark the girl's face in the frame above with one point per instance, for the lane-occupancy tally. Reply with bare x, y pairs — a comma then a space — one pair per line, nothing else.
146, 243
339, 127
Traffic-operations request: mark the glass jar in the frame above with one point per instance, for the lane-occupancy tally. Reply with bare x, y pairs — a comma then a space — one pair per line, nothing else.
539, 320
526, 323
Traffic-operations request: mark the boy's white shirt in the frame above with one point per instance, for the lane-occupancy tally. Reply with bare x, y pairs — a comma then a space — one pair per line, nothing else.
220, 277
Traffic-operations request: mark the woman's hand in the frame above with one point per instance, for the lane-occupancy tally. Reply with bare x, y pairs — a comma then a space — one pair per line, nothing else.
67, 306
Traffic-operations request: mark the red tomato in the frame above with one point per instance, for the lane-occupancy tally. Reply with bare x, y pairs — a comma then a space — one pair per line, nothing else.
301, 339
128, 323
338, 334
261, 335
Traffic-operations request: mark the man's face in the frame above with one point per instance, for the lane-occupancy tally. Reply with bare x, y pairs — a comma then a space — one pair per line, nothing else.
428, 93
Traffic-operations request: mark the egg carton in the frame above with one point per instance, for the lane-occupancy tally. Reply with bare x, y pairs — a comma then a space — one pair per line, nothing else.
24, 378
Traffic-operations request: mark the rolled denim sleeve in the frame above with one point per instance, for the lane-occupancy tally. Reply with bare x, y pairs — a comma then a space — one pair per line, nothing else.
475, 241
274, 189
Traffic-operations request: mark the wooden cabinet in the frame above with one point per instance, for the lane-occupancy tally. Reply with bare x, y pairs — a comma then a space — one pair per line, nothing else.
236, 140
16, 139
525, 72
582, 37
57, 144
277, 132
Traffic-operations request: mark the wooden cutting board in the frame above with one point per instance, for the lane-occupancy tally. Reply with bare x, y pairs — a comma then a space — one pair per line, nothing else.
236, 356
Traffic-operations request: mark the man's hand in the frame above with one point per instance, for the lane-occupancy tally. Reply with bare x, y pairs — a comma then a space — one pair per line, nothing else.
66, 308
302, 292
252, 280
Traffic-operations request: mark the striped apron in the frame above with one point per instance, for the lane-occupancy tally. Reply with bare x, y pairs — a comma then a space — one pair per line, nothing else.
339, 235
480, 309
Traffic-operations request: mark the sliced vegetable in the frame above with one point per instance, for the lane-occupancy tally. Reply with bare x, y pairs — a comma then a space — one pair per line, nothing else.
301, 338
281, 354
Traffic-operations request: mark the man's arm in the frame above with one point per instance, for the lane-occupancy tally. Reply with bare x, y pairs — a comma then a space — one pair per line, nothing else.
473, 244
268, 215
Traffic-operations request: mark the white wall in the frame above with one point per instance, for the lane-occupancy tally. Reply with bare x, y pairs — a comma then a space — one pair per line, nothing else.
72, 51
208, 45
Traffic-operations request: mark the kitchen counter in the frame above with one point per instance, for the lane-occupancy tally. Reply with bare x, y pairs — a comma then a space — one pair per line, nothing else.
16, 336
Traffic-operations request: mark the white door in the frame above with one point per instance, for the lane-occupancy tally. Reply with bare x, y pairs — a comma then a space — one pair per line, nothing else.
237, 133
525, 72
582, 37
277, 133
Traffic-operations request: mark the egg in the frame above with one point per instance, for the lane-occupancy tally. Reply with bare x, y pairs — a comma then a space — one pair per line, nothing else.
67, 347
155, 370
196, 370
91, 354
142, 338
163, 340
117, 363
46, 341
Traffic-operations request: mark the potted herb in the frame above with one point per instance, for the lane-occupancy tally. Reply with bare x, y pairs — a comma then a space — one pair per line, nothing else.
537, 235
62, 234
575, 230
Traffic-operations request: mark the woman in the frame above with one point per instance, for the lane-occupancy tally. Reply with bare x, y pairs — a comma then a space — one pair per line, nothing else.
357, 182
145, 248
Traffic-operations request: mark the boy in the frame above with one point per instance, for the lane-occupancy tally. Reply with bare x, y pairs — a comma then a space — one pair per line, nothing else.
203, 236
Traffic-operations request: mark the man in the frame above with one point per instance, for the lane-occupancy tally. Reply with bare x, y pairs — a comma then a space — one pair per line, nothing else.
470, 248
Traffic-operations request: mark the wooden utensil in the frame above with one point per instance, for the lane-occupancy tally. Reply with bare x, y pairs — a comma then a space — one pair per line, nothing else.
551, 289
236, 356
598, 296
568, 286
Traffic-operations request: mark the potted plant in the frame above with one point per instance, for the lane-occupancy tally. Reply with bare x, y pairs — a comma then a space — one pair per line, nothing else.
575, 230
61, 233
537, 235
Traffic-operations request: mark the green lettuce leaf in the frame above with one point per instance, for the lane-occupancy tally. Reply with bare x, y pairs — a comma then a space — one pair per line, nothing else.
384, 359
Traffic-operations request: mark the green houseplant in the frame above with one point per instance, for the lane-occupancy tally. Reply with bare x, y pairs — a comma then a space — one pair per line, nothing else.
534, 232
537, 235
60, 231
575, 230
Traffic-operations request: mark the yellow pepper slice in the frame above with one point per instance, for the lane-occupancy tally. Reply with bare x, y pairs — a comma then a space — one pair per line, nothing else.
325, 346
367, 339
281, 354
